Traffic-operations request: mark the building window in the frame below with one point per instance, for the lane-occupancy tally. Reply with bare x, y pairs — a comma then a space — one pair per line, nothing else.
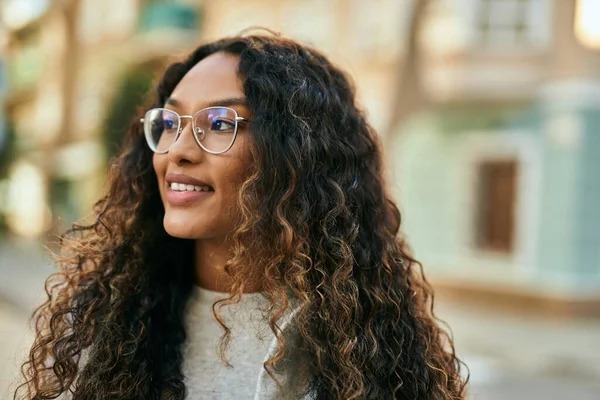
504, 22
496, 205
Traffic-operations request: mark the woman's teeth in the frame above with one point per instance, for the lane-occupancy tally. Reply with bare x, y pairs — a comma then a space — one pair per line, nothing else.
182, 187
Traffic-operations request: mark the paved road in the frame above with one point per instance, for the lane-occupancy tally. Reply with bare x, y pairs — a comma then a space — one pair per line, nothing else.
536, 388
15, 339
491, 381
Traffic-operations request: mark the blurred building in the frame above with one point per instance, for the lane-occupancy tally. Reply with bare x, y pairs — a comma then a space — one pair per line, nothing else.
67, 63
499, 175
495, 168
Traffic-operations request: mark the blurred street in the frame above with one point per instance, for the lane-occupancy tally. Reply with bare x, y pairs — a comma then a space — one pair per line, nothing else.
523, 357
15, 338
510, 356
23, 268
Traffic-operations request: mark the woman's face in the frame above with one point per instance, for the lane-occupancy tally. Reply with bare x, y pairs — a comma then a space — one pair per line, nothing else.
205, 214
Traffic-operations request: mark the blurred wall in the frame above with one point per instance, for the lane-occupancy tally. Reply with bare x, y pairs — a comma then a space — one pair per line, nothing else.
498, 175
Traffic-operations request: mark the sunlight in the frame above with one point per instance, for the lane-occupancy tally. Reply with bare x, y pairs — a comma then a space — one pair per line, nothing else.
587, 28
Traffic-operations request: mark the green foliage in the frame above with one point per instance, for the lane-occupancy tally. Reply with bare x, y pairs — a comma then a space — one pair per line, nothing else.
7, 148
134, 85
7, 151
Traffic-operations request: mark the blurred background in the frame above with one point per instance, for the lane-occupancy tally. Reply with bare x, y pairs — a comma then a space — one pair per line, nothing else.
489, 112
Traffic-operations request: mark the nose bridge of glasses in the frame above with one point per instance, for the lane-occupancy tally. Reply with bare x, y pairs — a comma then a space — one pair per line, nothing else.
182, 123
198, 132
182, 138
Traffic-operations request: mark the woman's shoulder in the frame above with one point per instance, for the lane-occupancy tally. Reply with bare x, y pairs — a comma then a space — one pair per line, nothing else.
291, 371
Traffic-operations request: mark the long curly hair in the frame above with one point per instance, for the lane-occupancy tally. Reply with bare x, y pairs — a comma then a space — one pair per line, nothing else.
315, 213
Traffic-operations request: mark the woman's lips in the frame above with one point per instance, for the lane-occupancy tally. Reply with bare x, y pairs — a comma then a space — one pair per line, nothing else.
181, 198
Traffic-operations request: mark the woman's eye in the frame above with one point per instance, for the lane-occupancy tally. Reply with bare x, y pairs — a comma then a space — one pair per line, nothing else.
222, 125
169, 124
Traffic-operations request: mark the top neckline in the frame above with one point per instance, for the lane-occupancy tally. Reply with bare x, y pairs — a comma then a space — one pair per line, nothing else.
208, 295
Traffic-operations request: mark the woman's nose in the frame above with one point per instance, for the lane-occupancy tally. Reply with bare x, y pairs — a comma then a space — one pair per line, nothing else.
185, 149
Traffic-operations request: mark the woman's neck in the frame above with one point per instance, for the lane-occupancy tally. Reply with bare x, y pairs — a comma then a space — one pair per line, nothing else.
211, 257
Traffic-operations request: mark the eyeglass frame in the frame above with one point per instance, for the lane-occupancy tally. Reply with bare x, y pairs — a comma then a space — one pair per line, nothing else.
180, 128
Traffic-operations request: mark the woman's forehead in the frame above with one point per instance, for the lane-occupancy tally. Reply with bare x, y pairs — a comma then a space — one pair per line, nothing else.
215, 77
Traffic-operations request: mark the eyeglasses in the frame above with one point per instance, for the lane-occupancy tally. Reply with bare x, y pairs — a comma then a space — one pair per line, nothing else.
214, 128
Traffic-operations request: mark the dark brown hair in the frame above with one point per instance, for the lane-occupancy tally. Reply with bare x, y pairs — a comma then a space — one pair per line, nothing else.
315, 213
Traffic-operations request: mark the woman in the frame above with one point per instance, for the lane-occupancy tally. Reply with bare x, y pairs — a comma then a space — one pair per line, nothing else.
249, 196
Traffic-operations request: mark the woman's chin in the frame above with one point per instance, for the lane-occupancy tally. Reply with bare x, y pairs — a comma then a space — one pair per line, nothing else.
183, 230
181, 235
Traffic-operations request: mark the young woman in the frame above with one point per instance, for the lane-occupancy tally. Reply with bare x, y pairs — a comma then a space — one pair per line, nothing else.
246, 248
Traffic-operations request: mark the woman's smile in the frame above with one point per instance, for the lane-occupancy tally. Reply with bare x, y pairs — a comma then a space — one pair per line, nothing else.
185, 197
183, 190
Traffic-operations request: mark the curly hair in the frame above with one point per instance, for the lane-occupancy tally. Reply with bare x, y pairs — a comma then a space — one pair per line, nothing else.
315, 214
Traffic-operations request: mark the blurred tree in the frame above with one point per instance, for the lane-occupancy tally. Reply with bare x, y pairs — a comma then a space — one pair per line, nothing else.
409, 95
7, 147
70, 11
135, 83
7, 150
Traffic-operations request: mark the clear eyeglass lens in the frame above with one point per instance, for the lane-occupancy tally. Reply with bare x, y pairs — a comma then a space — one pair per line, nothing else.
161, 128
215, 128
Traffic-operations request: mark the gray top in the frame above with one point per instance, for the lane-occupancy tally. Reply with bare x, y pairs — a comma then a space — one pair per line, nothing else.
252, 343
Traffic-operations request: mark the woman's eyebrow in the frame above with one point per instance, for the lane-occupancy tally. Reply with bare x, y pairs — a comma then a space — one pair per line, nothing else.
227, 102
172, 102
